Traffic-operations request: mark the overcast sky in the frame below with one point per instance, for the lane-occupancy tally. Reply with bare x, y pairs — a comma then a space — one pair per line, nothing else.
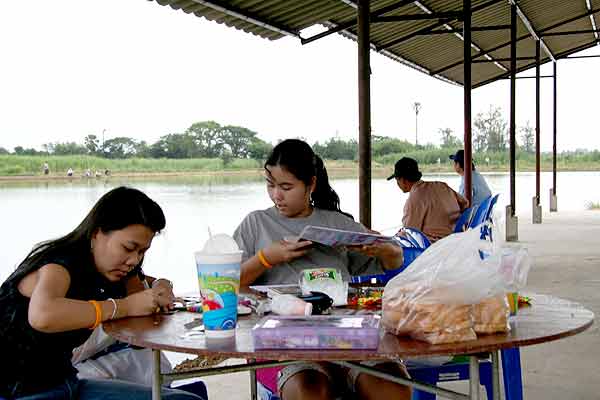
70, 68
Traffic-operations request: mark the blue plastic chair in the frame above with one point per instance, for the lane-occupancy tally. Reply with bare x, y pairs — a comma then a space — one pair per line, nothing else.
463, 221
413, 244
480, 214
511, 374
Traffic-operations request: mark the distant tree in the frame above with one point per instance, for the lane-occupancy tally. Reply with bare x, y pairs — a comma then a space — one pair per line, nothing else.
119, 147
175, 145
527, 138
448, 139
237, 139
258, 149
490, 131
142, 149
68, 148
382, 145
4, 151
337, 149
208, 138
92, 144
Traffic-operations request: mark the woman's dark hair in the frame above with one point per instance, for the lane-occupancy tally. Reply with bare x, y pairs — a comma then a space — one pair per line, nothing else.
117, 209
299, 159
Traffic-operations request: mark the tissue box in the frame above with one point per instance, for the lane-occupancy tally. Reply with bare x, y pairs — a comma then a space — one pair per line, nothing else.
317, 332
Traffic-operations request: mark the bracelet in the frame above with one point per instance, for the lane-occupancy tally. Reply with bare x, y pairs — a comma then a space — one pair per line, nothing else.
115, 309
263, 260
162, 279
98, 311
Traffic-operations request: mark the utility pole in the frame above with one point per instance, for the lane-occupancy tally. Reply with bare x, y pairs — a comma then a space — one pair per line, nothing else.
103, 130
417, 107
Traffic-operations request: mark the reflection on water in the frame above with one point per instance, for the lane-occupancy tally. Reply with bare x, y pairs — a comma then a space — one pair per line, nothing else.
34, 211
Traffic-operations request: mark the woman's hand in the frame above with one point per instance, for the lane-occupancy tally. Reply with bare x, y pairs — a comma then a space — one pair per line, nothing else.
148, 301
283, 251
389, 254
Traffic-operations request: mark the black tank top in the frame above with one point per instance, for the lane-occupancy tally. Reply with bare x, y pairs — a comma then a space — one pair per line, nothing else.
36, 361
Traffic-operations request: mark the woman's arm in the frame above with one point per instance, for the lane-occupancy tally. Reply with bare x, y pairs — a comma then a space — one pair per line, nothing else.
275, 254
389, 255
50, 311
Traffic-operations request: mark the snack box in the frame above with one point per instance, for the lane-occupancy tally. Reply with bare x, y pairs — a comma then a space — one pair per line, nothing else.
317, 332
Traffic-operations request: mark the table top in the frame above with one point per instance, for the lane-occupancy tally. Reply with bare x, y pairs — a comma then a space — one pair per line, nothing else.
549, 318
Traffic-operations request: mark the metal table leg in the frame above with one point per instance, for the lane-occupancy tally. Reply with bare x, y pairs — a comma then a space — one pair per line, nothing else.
253, 391
473, 378
495, 375
156, 377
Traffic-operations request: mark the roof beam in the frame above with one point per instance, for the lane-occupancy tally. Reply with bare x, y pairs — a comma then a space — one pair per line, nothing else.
245, 16
588, 5
562, 55
352, 23
416, 17
474, 29
579, 32
429, 28
483, 53
532, 30
460, 35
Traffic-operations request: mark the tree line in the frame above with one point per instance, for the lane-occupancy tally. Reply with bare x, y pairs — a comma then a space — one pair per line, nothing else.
208, 139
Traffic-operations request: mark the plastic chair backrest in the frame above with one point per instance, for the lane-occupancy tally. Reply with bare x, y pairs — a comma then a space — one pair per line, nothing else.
481, 213
417, 237
463, 221
488, 216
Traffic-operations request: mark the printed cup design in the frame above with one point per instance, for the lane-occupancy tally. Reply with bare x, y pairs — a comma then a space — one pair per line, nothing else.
219, 283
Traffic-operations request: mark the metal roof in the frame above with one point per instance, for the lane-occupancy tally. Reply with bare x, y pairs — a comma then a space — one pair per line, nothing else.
564, 26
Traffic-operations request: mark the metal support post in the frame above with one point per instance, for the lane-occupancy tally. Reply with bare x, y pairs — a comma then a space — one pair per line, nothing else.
467, 100
364, 113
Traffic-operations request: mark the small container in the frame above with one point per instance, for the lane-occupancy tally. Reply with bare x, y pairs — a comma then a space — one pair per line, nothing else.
317, 332
287, 304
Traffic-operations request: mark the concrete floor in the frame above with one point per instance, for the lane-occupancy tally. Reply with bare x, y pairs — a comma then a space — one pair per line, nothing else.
566, 253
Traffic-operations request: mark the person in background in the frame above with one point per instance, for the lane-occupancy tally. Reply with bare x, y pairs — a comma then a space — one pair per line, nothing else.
298, 186
70, 172
46, 168
431, 207
65, 288
481, 190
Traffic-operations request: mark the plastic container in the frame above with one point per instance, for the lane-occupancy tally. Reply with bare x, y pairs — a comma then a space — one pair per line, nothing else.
317, 332
287, 304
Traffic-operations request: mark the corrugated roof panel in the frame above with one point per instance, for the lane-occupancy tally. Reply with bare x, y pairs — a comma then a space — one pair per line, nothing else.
439, 54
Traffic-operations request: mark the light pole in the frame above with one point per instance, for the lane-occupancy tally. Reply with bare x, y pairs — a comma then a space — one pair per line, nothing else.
417, 107
103, 130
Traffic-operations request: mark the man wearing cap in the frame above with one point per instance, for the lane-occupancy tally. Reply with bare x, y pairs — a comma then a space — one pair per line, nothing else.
431, 207
481, 190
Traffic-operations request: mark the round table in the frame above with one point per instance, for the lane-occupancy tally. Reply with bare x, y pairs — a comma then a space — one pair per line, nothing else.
548, 318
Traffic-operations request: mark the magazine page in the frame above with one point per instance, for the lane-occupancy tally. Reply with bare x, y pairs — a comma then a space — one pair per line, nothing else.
339, 237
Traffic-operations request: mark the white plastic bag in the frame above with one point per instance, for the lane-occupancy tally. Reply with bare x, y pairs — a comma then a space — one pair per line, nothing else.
431, 300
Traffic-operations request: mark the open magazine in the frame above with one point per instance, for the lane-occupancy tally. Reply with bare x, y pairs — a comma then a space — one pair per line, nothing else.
340, 237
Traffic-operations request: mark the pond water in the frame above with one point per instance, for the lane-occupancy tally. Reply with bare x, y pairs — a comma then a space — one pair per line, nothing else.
34, 211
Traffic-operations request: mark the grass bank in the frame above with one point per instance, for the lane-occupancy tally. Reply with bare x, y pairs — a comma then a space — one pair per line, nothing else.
30, 167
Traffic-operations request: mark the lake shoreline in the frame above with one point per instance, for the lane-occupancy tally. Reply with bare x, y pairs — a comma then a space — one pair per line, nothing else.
334, 172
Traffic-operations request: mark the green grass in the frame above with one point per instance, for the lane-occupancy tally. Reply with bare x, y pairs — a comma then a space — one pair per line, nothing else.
14, 165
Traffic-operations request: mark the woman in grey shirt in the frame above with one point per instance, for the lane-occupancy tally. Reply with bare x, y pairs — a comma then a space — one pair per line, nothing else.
298, 185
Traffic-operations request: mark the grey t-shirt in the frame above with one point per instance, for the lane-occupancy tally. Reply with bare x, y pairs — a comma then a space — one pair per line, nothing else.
261, 228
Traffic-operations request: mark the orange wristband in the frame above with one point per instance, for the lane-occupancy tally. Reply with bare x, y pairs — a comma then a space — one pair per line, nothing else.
263, 260
98, 311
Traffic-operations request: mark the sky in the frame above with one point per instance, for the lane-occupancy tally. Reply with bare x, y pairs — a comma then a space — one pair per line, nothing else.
133, 68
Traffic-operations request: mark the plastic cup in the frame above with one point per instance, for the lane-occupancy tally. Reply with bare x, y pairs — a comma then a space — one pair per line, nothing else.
219, 283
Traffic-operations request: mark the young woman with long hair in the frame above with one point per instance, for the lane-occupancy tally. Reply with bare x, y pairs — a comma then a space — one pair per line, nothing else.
298, 186
67, 287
